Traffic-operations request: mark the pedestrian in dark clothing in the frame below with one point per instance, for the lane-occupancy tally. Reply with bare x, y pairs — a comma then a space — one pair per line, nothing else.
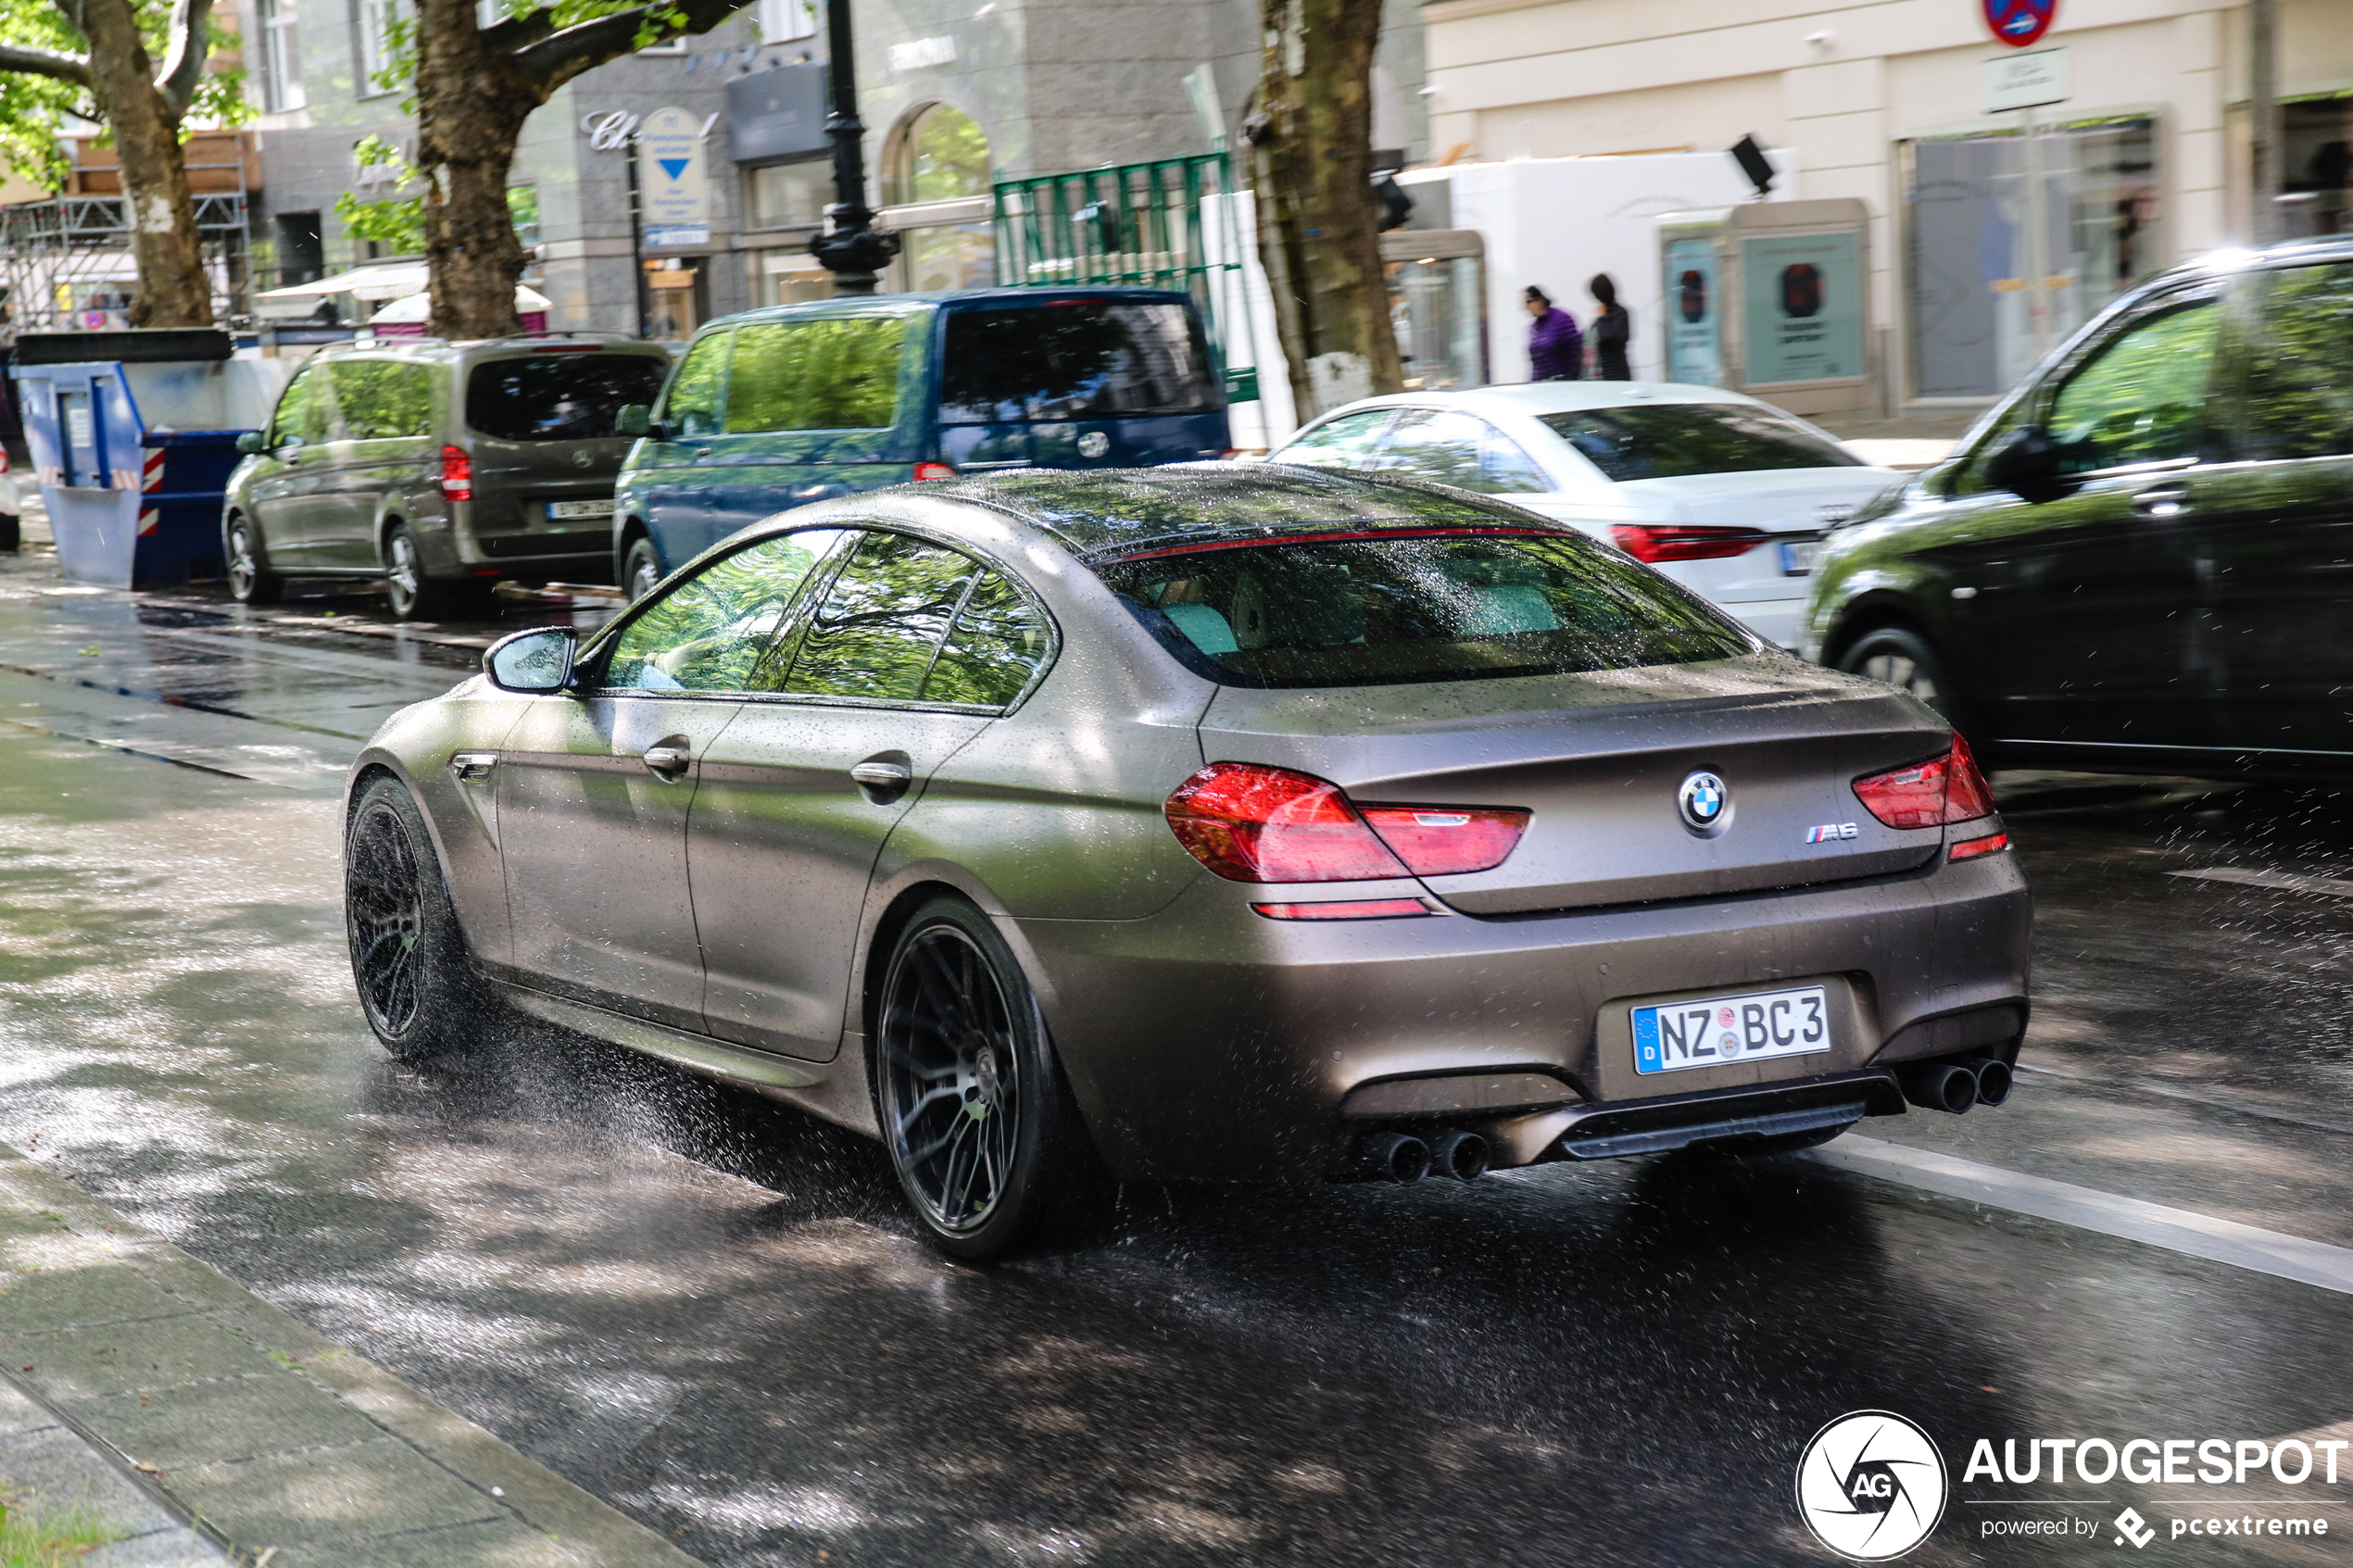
1555, 348
1611, 330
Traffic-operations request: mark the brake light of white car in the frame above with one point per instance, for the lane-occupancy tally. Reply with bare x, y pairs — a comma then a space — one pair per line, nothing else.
1253, 823
1942, 790
1652, 543
457, 474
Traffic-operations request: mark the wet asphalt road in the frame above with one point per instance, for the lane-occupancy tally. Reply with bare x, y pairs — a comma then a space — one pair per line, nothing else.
708, 1309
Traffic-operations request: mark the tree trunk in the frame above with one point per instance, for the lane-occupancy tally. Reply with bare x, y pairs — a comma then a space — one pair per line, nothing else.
471, 103
174, 290
1319, 232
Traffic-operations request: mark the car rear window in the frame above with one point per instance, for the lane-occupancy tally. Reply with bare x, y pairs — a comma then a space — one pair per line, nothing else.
1369, 610
1669, 440
559, 396
1074, 361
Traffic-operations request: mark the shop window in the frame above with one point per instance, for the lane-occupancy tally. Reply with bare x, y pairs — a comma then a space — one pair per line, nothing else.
940, 154
678, 298
2317, 168
2013, 241
790, 196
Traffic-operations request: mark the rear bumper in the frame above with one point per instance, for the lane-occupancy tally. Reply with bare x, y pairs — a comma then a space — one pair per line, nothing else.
1205, 1043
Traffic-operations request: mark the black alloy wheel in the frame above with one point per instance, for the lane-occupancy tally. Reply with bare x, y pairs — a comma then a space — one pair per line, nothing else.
414, 595
980, 1126
640, 568
250, 580
1899, 656
417, 983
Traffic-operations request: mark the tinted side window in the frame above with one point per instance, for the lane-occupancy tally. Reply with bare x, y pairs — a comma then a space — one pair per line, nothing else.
291, 420
382, 399
558, 396
1441, 445
993, 652
1342, 444
706, 634
824, 373
692, 408
875, 632
2141, 396
1670, 440
1504, 470
2299, 402
1073, 362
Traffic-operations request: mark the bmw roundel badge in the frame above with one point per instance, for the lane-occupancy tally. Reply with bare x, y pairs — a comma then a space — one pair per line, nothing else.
1706, 803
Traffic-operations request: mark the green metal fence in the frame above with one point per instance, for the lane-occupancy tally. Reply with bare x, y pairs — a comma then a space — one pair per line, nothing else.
1142, 224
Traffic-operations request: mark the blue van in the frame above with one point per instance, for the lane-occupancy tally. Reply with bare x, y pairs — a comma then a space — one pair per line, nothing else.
773, 408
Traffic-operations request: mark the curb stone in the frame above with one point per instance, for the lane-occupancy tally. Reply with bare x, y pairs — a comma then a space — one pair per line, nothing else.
266, 1438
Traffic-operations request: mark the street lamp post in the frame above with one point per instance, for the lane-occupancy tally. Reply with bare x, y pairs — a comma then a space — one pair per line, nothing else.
851, 248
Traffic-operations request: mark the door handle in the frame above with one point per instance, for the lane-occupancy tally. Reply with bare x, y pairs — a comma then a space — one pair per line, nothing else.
882, 781
702, 451
2162, 501
667, 762
470, 765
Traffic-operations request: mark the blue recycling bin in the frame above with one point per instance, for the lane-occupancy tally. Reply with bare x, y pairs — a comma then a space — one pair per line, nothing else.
133, 492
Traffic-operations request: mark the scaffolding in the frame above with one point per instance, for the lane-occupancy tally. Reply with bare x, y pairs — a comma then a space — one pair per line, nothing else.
1170, 223
65, 262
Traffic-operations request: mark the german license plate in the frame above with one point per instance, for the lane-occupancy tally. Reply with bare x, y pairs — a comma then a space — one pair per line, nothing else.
1715, 1031
558, 511
1798, 557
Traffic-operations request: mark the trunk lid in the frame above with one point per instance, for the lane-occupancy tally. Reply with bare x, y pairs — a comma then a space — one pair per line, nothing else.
1598, 760
1779, 501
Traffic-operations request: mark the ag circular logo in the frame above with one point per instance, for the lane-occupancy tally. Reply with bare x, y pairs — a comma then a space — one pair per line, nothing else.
1872, 1486
1094, 443
1706, 804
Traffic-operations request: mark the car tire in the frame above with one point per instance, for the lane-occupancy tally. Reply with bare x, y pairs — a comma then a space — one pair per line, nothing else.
418, 985
979, 1120
640, 568
414, 595
1899, 656
250, 580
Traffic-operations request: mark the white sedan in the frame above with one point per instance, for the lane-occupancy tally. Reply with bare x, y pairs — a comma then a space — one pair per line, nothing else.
1728, 496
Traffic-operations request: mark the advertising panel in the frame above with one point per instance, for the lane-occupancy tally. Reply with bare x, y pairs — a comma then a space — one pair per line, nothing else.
1695, 314
1803, 308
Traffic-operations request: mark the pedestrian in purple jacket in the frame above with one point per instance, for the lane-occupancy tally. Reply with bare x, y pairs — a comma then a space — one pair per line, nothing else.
1555, 348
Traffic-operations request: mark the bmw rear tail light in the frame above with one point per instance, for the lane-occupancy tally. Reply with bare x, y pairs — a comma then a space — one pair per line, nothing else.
933, 471
457, 474
1651, 543
3, 459
1253, 824
1928, 795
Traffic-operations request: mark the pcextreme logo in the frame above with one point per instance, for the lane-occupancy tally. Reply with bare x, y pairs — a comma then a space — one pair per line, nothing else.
1872, 1486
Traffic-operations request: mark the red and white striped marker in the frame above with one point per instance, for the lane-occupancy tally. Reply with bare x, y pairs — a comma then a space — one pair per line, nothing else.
151, 480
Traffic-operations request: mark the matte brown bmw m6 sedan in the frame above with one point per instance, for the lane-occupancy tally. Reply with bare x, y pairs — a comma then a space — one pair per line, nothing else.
1212, 822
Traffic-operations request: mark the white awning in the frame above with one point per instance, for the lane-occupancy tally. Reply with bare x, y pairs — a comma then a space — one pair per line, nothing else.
384, 281
419, 307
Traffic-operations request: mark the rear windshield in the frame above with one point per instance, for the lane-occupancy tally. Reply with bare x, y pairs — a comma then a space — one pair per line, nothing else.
1074, 361
1373, 611
1668, 440
559, 396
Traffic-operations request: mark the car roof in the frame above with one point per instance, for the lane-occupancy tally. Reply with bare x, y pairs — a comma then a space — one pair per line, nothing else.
1552, 396
913, 304
1108, 513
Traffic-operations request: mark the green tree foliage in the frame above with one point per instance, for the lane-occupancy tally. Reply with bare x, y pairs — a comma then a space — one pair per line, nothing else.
34, 109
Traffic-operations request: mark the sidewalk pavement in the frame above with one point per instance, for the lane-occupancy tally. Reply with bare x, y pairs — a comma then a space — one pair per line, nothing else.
180, 1405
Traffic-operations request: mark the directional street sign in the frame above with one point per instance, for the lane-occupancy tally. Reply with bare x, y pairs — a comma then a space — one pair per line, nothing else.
675, 193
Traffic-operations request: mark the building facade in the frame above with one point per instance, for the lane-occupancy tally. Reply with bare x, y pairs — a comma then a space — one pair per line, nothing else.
1995, 230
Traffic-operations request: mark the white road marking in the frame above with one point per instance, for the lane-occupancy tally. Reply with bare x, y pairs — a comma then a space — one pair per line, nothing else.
2286, 882
2134, 1219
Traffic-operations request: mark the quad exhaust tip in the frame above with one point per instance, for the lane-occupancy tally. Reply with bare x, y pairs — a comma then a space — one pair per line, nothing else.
1395, 1156
1400, 1156
1957, 1084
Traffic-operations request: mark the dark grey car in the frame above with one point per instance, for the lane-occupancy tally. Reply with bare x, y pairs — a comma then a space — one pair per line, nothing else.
1208, 822
438, 465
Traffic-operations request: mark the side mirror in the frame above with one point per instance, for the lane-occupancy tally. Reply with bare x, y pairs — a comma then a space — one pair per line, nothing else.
535, 663
2025, 463
252, 443
633, 419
